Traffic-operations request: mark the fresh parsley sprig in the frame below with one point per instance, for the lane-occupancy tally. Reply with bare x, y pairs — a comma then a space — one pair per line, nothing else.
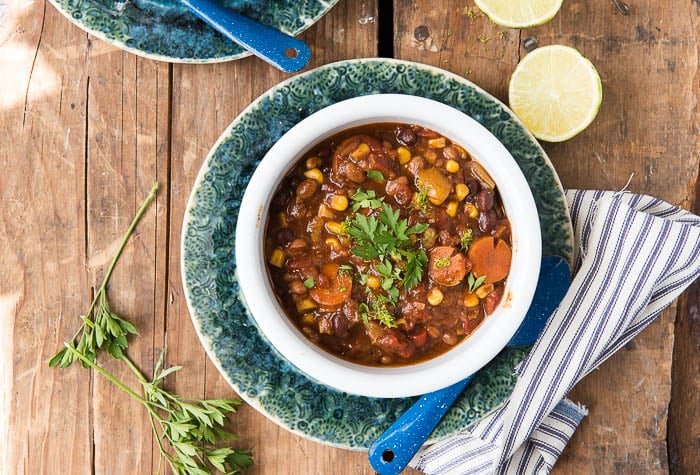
187, 430
366, 199
386, 238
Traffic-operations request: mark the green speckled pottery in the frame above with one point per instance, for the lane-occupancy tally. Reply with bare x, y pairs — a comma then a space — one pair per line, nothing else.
227, 331
165, 30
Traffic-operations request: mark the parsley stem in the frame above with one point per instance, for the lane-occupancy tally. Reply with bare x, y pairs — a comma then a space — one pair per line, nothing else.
134, 369
122, 245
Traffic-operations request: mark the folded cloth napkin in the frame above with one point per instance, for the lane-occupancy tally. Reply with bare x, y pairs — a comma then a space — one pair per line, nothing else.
636, 254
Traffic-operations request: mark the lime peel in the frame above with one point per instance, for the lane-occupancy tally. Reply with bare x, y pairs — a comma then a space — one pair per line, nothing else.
519, 13
556, 92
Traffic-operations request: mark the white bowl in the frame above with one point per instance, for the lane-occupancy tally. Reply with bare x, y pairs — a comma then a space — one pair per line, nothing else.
466, 357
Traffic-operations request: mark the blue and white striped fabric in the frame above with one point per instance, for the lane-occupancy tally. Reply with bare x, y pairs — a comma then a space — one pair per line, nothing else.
636, 254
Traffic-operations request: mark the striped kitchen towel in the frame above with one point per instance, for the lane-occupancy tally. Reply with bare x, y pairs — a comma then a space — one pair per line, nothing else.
636, 254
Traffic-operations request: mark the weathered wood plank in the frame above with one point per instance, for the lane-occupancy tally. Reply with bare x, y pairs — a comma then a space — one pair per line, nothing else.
206, 98
46, 414
684, 411
127, 137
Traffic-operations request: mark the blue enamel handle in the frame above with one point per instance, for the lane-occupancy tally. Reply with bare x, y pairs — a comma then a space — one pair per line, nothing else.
392, 451
279, 49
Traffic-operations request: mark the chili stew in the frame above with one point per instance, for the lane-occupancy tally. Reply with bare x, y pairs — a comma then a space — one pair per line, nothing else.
387, 244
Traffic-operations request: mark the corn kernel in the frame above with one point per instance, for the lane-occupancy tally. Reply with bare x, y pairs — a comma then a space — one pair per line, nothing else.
434, 296
314, 174
461, 191
452, 166
484, 290
404, 155
373, 282
437, 143
333, 244
471, 300
361, 151
277, 257
339, 202
451, 209
305, 304
472, 211
307, 319
283, 220
312, 162
334, 227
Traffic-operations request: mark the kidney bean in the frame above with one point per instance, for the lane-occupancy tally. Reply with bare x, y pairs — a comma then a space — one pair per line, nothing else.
307, 188
450, 338
487, 221
484, 200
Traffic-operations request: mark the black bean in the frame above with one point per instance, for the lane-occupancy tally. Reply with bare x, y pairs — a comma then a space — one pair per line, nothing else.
473, 186
406, 136
281, 199
284, 236
484, 200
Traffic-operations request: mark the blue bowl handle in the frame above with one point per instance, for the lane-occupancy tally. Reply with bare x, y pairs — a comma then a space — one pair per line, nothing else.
279, 49
392, 451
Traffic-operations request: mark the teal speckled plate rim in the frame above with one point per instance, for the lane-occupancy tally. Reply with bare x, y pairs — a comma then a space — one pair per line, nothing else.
226, 330
164, 30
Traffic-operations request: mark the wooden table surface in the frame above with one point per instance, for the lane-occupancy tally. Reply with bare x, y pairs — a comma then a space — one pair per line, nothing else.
87, 129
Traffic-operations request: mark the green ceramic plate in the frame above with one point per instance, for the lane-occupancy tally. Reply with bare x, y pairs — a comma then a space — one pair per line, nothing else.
227, 332
167, 31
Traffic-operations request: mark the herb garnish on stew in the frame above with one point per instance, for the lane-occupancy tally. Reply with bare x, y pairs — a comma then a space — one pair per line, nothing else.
387, 244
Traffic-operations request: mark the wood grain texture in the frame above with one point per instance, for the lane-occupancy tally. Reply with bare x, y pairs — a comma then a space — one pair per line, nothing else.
684, 420
88, 129
124, 133
42, 255
206, 98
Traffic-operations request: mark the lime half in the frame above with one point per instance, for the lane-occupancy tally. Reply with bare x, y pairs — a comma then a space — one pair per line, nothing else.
519, 13
556, 92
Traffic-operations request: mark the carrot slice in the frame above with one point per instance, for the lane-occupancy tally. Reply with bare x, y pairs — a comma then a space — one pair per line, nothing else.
490, 257
337, 292
447, 266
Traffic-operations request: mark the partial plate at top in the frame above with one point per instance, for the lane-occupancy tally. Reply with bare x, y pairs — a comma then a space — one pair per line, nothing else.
226, 330
167, 31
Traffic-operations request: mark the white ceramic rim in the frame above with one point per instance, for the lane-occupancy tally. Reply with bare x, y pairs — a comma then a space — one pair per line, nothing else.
468, 356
